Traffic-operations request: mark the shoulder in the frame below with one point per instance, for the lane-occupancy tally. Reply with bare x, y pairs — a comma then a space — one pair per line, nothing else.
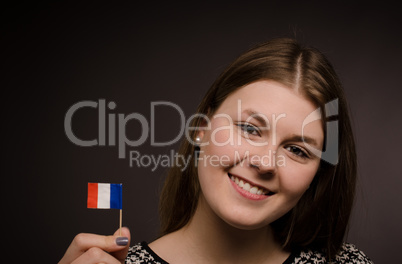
348, 253
141, 253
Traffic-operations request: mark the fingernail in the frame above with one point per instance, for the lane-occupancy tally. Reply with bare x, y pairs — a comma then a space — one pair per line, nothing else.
122, 241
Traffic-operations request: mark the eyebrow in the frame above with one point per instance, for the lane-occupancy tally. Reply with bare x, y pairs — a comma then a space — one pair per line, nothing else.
257, 116
304, 139
293, 137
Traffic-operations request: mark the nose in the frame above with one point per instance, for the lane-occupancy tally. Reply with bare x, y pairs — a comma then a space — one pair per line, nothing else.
264, 160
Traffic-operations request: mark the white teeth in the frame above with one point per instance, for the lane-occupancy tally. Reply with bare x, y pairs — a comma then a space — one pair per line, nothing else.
241, 184
246, 186
254, 190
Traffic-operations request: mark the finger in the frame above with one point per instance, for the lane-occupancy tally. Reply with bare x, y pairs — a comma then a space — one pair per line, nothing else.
121, 254
82, 242
94, 256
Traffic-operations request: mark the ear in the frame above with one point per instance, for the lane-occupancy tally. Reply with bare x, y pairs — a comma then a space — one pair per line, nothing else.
200, 134
203, 125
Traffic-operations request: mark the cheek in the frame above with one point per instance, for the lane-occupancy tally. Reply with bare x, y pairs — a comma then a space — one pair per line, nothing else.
296, 178
222, 143
220, 134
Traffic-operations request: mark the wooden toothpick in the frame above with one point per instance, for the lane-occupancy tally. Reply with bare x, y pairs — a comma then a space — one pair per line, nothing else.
121, 221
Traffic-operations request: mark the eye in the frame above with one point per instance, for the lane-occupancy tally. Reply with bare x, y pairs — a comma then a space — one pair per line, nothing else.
297, 151
249, 129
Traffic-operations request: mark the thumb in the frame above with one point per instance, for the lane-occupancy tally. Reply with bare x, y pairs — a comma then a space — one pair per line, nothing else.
122, 240
116, 245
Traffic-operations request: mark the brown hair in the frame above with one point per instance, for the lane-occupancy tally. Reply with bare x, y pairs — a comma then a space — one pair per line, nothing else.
320, 218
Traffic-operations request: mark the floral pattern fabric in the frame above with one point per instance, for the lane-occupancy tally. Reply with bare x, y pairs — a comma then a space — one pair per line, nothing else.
142, 254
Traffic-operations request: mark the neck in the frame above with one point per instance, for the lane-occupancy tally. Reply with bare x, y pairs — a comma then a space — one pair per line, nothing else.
215, 241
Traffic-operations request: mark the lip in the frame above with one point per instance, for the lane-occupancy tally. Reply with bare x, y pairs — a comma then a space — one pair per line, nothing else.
246, 194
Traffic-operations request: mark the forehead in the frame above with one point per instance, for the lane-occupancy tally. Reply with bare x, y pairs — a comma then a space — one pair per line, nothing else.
271, 96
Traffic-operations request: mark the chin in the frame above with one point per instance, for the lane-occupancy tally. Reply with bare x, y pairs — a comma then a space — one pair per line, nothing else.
246, 223
247, 226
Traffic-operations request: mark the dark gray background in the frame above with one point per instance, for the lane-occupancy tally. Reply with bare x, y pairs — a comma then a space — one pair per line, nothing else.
55, 55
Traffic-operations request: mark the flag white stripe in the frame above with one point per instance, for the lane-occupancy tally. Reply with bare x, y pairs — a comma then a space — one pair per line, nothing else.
103, 195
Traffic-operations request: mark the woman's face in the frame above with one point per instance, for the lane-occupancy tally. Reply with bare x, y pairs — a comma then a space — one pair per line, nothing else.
253, 165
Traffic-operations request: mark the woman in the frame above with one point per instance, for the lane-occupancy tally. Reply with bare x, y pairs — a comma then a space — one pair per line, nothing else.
261, 186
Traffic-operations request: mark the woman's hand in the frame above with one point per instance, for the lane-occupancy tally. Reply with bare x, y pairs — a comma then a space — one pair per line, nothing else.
91, 248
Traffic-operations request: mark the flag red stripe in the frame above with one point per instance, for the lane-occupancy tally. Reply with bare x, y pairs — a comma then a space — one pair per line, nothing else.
92, 195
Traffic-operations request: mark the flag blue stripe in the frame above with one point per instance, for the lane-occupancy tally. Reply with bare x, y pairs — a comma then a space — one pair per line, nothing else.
116, 195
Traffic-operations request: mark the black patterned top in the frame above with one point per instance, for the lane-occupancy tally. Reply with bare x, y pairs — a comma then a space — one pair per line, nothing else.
142, 254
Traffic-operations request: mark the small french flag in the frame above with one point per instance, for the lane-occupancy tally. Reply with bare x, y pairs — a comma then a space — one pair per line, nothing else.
105, 195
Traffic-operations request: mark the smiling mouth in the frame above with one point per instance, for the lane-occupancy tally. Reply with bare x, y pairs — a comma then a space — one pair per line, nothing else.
249, 187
